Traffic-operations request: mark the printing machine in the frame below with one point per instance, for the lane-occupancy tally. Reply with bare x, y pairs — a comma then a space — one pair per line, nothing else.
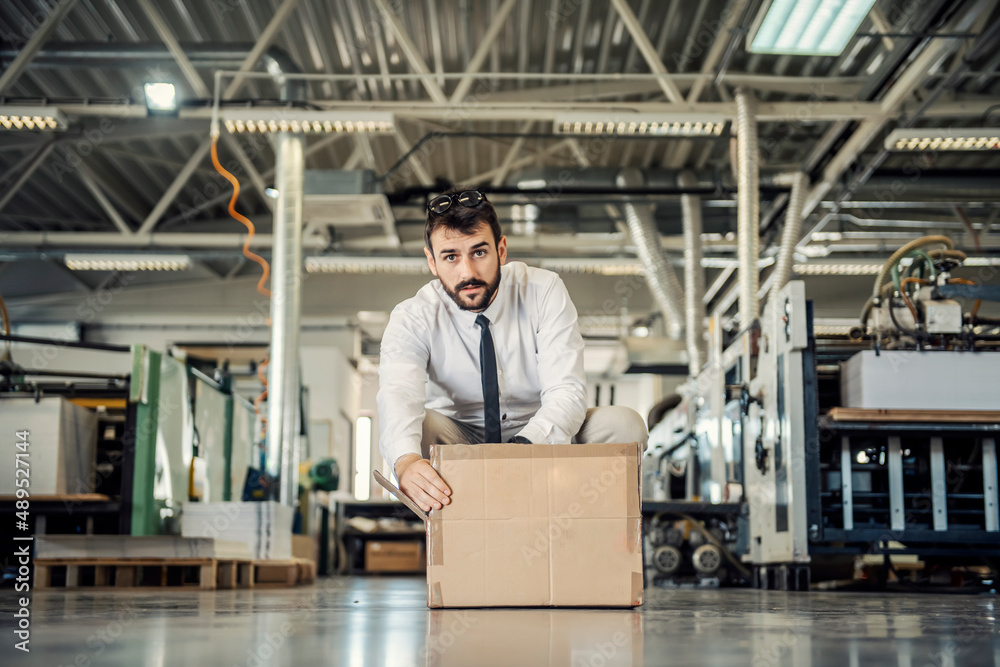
883, 441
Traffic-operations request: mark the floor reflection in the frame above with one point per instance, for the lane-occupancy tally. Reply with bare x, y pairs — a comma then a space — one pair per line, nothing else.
384, 622
578, 637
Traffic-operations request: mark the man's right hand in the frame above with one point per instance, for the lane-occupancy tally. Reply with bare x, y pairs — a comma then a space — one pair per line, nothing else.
421, 482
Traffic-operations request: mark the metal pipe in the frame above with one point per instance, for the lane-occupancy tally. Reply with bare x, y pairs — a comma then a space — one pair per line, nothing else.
286, 309
104, 54
660, 274
799, 183
35, 340
694, 276
748, 213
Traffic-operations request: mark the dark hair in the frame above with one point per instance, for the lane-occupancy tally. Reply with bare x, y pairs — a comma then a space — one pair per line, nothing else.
463, 219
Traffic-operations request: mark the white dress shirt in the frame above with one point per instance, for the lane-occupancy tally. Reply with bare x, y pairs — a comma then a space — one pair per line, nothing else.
430, 359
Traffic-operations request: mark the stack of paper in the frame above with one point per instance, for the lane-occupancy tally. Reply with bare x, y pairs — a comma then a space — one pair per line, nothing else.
128, 546
266, 528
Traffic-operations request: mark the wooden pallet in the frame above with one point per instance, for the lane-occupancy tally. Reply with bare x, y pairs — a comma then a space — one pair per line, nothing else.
283, 573
62, 498
922, 416
116, 573
182, 573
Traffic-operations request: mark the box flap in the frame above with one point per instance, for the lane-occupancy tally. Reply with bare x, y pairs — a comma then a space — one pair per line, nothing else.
405, 499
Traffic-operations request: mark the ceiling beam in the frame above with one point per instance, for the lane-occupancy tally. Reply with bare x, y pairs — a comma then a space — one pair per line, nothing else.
36, 161
168, 37
889, 107
512, 153
647, 49
497, 23
38, 39
410, 52
168, 197
729, 19
102, 201
818, 108
405, 146
263, 42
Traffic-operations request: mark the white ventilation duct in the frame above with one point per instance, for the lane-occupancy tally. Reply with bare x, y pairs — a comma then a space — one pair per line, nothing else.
694, 274
748, 213
286, 314
660, 274
799, 183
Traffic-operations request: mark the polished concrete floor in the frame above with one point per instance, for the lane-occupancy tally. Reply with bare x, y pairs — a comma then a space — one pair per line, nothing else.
355, 622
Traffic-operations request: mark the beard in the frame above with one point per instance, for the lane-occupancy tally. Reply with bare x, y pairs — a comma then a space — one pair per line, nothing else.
474, 303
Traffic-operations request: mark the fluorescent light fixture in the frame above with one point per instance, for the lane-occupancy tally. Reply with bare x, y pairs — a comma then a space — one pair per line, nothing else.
624, 124
941, 139
283, 119
610, 266
838, 268
31, 118
397, 265
137, 262
806, 27
160, 97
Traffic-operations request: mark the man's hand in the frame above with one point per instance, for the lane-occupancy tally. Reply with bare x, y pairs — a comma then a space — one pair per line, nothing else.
421, 482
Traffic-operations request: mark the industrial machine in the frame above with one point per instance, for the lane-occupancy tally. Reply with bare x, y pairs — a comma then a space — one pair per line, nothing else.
828, 446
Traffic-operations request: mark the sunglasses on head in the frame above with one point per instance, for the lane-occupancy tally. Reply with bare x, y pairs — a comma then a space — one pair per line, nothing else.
468, 199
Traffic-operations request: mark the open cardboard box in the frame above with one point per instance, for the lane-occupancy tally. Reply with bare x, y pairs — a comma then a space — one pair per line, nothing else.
534, 525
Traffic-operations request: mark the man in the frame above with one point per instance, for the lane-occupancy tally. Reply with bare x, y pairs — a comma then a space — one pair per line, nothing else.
489, 352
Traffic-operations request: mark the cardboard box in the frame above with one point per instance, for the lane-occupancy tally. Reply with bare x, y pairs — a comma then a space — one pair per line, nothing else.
303, 546
390, 556
535, 525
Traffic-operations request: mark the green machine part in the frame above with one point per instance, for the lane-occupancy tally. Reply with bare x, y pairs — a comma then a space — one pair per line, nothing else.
325, 475
144, 393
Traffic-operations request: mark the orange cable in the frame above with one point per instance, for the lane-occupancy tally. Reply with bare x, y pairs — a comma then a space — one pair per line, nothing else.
977, 304
906, 297
242, 218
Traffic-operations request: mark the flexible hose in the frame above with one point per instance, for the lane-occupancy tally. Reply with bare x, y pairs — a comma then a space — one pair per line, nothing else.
903, 252
870, 303
748, 211
916, 254
660, 276
694, 274
799, 183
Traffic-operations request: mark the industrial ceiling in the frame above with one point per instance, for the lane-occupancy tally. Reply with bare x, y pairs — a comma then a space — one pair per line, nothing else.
477, 90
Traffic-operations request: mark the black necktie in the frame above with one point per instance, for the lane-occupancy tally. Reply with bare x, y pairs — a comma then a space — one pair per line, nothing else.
491, 390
